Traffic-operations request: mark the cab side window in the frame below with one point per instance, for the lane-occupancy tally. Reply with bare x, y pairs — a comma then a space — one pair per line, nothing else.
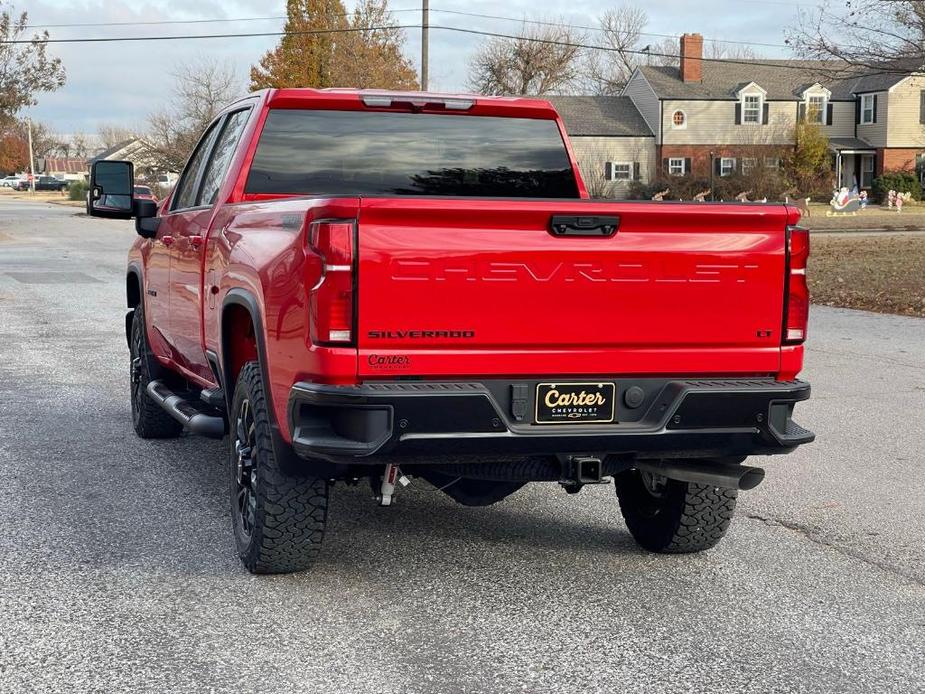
221, 157
189, 181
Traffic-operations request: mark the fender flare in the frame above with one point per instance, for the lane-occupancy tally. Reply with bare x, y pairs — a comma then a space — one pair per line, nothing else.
134, 270
238, 296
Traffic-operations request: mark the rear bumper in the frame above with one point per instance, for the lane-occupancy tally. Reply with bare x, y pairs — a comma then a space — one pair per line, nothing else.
689, 418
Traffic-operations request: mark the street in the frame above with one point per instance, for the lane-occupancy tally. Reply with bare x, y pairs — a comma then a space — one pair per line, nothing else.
118, 571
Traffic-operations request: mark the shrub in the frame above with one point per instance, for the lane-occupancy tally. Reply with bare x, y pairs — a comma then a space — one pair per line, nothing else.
679, 188
808, 166
900, 181
77, 190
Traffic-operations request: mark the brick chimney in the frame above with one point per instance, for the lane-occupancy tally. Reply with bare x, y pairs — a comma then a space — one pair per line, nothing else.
691, 58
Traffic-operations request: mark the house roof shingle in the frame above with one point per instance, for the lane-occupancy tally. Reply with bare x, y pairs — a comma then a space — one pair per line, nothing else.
783, 79
603, 116
106, 153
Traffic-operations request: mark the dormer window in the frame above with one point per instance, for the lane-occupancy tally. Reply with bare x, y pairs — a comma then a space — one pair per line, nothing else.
751, 108
815, 109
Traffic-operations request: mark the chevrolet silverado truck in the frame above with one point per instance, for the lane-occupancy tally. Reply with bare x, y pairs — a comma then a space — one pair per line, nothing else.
360, 285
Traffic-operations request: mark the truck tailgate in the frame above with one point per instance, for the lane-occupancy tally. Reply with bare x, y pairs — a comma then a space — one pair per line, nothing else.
462, 287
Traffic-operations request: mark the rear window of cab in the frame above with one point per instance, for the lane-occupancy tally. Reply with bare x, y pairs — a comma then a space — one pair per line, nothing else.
315, 152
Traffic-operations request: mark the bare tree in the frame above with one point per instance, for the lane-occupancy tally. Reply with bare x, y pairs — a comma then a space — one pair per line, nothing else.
79, 146
666, 52
45, 143
111, 134
607, 70
724, 50
540, 60
872, 34
201, 89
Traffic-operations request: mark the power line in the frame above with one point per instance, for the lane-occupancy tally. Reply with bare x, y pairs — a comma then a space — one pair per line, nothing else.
541, 22
461, 13
461, 30
157, 22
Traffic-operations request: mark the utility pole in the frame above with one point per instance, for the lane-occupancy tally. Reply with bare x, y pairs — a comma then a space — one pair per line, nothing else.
31, 158
425, 39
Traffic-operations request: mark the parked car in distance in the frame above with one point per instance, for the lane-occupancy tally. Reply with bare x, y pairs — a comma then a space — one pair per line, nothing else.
143, 193
43, 183
10, 181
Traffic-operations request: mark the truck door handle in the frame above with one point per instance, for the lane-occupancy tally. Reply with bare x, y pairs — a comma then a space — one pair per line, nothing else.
563, 225
168, 240
195, 241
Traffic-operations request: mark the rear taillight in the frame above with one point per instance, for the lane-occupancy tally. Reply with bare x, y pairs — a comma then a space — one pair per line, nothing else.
796, 306
331, 302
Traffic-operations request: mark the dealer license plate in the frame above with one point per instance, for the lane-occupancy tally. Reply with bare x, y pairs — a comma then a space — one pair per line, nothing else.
575, 403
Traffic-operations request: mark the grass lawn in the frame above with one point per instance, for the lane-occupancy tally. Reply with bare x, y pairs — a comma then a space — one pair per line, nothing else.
874, 217
53, 196
874, 272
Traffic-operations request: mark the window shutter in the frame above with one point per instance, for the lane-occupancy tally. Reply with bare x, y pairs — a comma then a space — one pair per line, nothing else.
636, 176
687, 166
875, 108
665, 164
608, 171
857, 110
801, 112
922, 106
738, 113
765, 114
718, 166
829, 108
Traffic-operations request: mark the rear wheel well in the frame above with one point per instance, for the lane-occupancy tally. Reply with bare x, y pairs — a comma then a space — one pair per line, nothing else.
132, 290
133, 301
239, 343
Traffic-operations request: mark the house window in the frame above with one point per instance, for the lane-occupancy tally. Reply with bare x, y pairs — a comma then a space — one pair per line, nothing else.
676, 166
621, 171
727, 166
772, 162
867, 109
749, 164
867, 170
751, 109
678, 120
815, 109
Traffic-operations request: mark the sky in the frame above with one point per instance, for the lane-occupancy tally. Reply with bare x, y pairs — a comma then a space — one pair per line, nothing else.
121, 83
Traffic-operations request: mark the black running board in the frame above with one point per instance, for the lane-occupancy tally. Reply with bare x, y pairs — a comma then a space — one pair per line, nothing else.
187, 412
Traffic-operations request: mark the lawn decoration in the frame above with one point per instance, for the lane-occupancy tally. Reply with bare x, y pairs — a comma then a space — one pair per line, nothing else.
844, 204
702, 196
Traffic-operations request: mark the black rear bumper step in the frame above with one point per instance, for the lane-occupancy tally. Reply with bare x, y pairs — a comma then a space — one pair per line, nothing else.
680, 418
187, 411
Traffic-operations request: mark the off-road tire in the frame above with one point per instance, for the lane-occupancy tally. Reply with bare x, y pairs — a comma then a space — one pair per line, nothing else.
685, 517
149, 419
279, 526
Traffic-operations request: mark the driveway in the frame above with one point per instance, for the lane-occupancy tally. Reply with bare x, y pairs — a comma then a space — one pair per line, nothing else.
118, 572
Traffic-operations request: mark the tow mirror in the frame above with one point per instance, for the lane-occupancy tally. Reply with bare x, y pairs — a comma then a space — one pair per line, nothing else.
111, 184
146, 219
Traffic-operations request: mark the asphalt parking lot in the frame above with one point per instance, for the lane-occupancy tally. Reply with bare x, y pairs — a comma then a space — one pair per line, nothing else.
118, 573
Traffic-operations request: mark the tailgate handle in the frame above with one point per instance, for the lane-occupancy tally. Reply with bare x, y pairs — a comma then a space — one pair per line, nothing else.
562, 225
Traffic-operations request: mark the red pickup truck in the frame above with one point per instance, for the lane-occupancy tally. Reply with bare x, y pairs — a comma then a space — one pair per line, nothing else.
359, 285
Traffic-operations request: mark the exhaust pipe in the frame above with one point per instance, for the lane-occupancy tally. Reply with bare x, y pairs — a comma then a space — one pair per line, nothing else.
707, 472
